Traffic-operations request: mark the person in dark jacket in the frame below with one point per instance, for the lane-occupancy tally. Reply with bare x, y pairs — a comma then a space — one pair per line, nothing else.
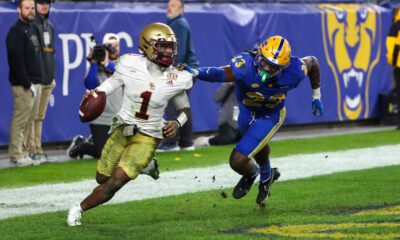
393, 56
46, 35
186, 54
26, 72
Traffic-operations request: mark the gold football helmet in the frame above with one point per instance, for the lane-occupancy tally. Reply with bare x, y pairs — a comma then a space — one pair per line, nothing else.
158, 43
273, 55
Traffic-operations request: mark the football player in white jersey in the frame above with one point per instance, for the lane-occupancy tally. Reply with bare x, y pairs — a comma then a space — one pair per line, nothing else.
149, 82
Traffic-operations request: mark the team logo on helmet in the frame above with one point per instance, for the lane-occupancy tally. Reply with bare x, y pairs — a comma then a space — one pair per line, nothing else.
352, 46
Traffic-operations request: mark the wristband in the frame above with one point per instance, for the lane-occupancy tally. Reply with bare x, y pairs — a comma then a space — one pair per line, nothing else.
179, 124
316, 93
181, 119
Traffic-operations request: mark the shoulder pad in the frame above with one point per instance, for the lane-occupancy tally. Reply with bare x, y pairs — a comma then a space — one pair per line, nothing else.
128, 63
297, 67
184, 78
240, 64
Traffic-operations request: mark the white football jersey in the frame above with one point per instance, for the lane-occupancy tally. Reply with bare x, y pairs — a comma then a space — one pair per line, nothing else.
145, 97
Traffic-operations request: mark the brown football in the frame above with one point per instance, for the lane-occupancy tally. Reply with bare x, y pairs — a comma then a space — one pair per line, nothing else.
92, 106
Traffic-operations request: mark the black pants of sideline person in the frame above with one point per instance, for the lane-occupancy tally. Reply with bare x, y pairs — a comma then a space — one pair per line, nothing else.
94, 147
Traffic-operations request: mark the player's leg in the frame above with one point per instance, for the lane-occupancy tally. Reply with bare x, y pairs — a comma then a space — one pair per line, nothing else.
239, 160
111, 155
245, 167
106, 191
254, 143
267, 174
109, 176
270, 125
138, 156
101, 194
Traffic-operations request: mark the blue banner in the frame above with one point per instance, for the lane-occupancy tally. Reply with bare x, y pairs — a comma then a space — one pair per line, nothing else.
347, 39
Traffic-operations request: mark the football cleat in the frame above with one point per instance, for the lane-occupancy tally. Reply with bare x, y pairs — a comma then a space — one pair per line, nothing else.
152, 169
264, 187
74, 215
243, 186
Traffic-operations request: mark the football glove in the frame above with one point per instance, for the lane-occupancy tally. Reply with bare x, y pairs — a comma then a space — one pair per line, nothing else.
192, 71
317, 107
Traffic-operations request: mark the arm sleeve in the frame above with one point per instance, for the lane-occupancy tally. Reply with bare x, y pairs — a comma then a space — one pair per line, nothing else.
15, 49
211, 74
91, 80
111, 84
111, 66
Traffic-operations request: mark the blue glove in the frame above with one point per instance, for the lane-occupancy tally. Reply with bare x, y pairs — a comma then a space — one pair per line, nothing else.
192, 71
317, 107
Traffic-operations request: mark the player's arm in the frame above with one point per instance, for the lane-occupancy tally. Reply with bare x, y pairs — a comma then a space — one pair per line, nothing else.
181, 102
313, 72
212, 74
111, 84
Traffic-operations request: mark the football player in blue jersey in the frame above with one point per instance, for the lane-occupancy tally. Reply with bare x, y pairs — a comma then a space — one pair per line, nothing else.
263, 78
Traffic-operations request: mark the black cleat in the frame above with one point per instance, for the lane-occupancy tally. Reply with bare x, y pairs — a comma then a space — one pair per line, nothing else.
243, 186
264, 187
74, 150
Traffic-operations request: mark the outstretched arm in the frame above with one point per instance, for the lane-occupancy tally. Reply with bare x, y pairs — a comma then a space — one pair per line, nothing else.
212, 74
313, 72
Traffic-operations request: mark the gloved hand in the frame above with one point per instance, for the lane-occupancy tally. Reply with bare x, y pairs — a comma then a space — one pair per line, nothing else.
192, 71
317, 107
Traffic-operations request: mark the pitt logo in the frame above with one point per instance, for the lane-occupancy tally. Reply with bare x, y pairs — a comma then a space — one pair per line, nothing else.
352, 49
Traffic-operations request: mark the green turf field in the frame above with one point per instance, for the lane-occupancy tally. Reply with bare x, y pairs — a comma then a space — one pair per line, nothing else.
350, 205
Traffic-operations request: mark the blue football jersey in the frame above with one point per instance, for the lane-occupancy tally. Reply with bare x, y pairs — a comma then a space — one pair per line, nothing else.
269, 97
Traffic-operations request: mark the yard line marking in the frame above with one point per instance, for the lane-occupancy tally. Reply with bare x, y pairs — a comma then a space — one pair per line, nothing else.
56, 197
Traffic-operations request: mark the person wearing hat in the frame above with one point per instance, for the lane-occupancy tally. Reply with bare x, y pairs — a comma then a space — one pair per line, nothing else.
46, 39
99, 71
25, 75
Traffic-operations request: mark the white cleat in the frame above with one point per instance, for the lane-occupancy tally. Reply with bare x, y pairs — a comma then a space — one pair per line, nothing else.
152, 169
74, 215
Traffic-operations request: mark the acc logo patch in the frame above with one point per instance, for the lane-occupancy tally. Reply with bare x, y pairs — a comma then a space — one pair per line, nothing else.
352, 49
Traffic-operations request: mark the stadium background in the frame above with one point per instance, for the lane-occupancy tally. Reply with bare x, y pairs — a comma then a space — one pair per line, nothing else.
331, 32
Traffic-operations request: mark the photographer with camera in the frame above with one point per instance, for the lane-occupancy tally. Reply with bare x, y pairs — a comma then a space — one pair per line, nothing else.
102, 65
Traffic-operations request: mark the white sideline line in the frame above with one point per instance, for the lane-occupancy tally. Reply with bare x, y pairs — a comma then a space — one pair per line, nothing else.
55, 197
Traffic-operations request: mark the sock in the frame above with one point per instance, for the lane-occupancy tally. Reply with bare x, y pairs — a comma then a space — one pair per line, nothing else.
78, 206
255, 171
265, 172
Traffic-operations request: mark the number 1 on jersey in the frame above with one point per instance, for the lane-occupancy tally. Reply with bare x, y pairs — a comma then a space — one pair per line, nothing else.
145, 104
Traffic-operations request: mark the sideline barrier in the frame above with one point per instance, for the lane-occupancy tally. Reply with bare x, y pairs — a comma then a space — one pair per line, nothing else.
347, 39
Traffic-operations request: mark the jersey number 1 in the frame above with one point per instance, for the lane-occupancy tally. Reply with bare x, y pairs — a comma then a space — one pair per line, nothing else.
145, 104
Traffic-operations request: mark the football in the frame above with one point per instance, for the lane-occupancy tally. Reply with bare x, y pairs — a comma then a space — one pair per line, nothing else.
92, 106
